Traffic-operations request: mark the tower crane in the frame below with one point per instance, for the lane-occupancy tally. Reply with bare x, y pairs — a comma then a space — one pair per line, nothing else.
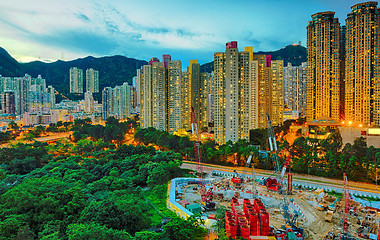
276, 185
205, 195
272, 183
254, 189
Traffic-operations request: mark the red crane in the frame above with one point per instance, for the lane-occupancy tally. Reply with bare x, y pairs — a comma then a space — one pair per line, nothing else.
206, 195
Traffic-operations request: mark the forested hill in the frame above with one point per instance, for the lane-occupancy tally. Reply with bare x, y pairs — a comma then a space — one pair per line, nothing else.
295, 54
113, 70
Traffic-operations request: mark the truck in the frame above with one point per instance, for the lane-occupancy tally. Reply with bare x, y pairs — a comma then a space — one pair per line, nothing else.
329, 216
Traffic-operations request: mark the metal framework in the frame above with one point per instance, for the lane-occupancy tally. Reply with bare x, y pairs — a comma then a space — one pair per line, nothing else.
206, 195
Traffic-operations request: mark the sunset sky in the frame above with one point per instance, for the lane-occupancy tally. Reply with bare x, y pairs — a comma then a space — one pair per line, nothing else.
69, 29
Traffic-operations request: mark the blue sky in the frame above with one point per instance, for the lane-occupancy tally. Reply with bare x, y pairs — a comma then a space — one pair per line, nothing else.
69, 29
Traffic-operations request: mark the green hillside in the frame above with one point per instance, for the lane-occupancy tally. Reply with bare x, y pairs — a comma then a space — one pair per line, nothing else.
293, 54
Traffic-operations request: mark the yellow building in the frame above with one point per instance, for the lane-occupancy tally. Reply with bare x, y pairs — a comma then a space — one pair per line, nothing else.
323, 67
362, 64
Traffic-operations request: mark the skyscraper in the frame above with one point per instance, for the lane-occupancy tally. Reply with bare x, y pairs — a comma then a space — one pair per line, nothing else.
89, 106
174, 95
362, 66
8, 104
22, 93
195, 88
153, 95
159, 96
107, 104
92, 80
146, 96
76, 80
51, 91
246, 88
276, 94
230, 101
323, 67
185, 100
295, 78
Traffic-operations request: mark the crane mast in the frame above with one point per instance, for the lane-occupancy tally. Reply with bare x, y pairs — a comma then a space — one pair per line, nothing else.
205, 195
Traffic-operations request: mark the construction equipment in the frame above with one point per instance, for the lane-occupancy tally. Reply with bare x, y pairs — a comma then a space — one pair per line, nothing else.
237, 180
273, 184
329, 216
321, 206
254, 189
332, 206
205, 195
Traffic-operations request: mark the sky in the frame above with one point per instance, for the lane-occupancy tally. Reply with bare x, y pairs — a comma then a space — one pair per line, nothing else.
68, 29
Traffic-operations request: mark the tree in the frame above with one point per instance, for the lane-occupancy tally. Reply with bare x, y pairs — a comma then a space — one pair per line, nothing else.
14, 126
106, 213
23, 166
147, 235
332, 143
95, 231
182, 229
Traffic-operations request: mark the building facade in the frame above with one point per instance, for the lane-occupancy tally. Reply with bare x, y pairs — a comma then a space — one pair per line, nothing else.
76, 80
323, 67
92, 80
295, 78
174, 95
362, 64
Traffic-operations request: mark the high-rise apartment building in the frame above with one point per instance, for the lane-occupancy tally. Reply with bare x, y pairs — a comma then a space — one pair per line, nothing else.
362, 65
195, 88
204, 100
323, 67
92, 80
76, 80
89, 105
174, 95
247, 87
22, 87
146, 96
153, 95
295, 78
230, 81
277, 90
8, 104
185, 100
52, 100
159, 96
107, 103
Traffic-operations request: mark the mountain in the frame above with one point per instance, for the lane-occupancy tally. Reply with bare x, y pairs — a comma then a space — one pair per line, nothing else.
114, 70
295, 54
9, 67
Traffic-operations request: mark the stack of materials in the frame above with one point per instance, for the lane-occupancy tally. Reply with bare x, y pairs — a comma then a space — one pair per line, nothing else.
247, 218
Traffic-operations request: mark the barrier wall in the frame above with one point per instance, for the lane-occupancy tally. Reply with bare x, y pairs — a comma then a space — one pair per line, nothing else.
361, 193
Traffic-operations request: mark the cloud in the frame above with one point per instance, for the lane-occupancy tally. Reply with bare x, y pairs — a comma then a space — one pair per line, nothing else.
82, 17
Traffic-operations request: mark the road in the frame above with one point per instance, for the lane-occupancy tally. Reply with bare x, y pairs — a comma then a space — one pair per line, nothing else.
54, 136
208, 168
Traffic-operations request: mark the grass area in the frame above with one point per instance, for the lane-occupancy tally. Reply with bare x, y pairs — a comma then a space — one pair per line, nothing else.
157, 197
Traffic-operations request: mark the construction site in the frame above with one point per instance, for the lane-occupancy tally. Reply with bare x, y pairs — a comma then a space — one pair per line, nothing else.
272, 207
